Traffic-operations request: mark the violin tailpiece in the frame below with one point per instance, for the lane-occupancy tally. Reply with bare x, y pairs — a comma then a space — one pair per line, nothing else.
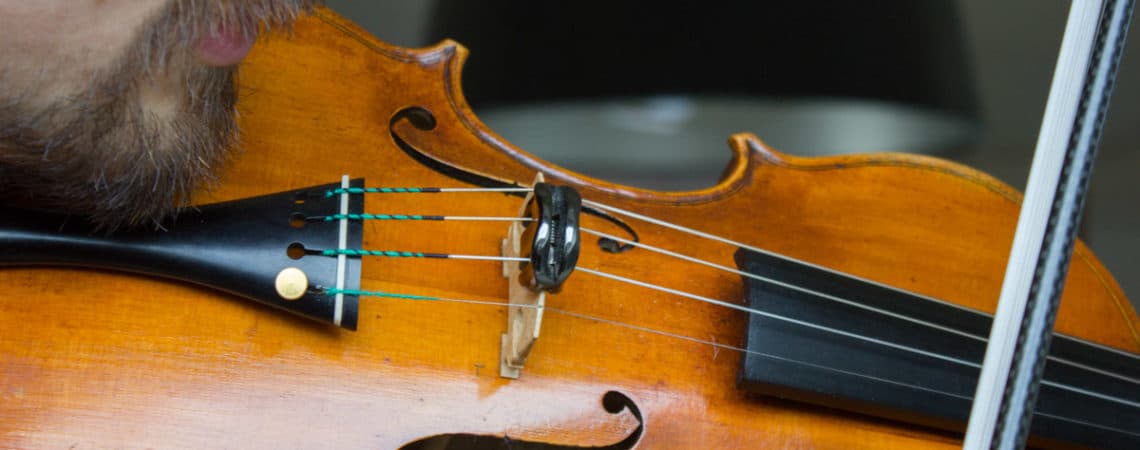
251, 247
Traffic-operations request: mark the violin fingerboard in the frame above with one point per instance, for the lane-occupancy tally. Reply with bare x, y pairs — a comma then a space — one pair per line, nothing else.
901, 366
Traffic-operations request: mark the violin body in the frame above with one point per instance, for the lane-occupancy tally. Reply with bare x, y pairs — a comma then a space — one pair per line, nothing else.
95, 359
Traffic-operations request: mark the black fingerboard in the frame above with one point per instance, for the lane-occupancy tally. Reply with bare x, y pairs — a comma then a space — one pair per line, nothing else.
805, 363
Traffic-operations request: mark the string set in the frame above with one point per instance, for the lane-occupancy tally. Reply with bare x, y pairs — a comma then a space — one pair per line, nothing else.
687, 258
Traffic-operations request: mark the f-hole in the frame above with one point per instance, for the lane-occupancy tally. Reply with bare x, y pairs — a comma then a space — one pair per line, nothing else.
613, 402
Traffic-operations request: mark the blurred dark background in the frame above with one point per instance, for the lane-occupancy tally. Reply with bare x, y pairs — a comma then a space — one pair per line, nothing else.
964, 80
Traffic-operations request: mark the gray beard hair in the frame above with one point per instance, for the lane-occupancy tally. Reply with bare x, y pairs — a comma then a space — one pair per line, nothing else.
101, 154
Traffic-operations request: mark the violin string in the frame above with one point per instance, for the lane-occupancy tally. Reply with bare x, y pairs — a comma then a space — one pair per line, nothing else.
651, 220
381, 294
406, 254
393, 295
727, 241
683, 229
1086, 423
730, 242
805, 363
848, 334
627, 213
712, 301
420, 190
711, 343
856, 336
747, 351
769, 315
365, 216
841, 300
782, 284
413, 217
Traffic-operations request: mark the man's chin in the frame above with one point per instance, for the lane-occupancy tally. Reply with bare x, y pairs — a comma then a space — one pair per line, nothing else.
143, 199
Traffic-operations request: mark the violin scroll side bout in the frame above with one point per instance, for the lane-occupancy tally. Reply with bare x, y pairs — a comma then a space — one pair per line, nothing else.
99, 359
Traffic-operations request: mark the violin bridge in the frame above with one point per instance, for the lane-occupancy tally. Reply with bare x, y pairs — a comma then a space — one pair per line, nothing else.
524, 316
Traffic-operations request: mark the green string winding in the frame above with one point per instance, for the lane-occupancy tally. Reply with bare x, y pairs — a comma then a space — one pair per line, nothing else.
362, 252
366, 216
371, 190
360, 293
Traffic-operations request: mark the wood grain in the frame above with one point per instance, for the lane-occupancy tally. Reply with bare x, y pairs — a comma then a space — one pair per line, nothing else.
92, 359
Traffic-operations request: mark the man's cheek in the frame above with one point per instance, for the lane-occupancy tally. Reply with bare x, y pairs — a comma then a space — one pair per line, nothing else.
52, 48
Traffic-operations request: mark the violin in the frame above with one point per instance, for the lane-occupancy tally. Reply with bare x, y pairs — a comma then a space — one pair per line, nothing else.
800, 302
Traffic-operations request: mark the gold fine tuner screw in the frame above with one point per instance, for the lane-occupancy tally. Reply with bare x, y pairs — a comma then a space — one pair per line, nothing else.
291, 283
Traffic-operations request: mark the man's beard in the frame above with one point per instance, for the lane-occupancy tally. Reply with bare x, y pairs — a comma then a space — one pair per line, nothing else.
107, 153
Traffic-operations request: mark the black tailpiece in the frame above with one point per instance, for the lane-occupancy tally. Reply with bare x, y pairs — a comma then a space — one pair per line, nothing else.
239, 247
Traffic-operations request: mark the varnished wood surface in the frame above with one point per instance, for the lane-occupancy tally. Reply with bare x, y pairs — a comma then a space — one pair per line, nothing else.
92, 359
